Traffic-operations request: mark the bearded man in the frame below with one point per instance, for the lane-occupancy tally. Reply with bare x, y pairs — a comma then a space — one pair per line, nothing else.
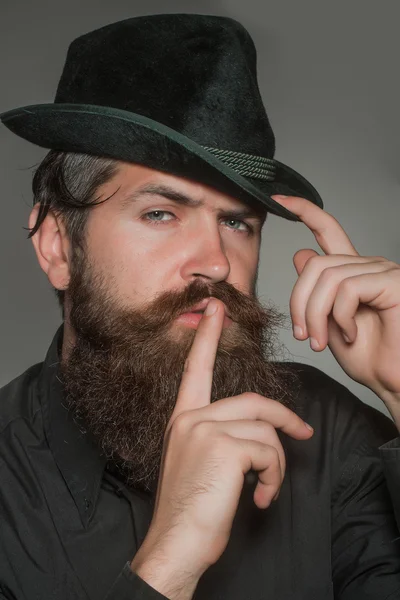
161, 450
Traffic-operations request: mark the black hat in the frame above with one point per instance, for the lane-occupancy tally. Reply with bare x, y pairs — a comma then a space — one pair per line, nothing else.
177, 93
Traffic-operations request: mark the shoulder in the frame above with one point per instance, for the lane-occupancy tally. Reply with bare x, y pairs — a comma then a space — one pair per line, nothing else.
328, 404
347, 434
19, 399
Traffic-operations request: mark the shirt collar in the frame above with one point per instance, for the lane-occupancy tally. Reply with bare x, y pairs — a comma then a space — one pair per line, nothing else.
76, 453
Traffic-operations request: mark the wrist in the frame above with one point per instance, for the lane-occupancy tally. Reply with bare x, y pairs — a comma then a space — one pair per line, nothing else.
169, 565
392, 403
166, 575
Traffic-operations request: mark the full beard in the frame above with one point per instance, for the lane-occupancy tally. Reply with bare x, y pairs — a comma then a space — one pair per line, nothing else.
121, 377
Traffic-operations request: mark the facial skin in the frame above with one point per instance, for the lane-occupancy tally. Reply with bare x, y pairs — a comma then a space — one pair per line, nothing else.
123, 350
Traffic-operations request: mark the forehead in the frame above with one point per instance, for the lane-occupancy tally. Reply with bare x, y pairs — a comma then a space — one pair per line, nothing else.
132, 182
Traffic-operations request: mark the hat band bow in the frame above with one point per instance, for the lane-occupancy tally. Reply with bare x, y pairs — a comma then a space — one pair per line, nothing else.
248, 165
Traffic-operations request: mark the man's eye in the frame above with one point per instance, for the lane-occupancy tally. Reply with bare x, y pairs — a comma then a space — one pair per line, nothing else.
157, 213
246, 226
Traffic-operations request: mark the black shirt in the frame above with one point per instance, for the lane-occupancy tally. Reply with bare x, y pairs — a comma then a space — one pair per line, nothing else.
70, 528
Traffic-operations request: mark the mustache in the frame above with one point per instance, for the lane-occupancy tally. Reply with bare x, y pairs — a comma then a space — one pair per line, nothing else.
241, 307
168, 305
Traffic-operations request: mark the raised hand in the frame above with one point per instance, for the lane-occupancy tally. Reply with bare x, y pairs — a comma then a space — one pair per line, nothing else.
208, 449
350, 303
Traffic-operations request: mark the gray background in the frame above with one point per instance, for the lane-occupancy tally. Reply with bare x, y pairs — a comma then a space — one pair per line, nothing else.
329, 78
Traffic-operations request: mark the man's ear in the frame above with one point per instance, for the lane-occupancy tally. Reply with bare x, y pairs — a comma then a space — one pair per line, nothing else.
52, 248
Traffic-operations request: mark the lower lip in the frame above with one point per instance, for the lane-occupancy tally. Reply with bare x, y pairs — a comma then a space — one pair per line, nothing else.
193, 319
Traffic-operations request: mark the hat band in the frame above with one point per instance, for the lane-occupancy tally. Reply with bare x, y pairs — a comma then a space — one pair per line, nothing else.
248, 165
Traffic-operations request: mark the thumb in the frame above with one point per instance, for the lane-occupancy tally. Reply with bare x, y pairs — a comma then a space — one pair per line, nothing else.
301, 258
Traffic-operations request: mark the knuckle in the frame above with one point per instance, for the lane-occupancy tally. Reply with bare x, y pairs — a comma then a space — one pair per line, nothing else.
225, 447
181, 424
328, 274
273, 454
266, 429
252, 397
348, 285
392, 275
263, 400
314, 262
261, 403
268, 434
338, 315
201, 430
393, 267
272, 461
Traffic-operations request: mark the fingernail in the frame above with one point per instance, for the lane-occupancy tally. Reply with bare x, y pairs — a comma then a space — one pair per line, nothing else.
279, 196
346, 338
308, 426
314, 344
298, 331
211, 308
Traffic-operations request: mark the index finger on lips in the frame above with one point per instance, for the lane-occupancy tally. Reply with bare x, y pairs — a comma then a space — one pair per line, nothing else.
328, 232
195, 388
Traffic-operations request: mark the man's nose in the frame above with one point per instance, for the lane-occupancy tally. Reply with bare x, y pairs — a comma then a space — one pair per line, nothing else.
205, 255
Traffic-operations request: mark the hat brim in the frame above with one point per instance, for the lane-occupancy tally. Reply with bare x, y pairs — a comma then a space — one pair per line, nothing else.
127, 136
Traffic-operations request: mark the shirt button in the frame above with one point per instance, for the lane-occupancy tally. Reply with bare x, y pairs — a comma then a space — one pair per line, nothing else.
88, 504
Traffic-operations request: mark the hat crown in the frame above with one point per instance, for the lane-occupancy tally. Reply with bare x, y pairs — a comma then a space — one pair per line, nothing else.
194, 73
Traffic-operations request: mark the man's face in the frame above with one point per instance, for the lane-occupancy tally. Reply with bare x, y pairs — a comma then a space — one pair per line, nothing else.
149, 240
158, 246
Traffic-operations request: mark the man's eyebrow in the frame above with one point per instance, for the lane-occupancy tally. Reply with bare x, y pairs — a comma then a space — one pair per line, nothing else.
184, 200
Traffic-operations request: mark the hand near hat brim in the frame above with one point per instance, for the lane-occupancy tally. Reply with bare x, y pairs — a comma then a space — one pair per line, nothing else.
342, 294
